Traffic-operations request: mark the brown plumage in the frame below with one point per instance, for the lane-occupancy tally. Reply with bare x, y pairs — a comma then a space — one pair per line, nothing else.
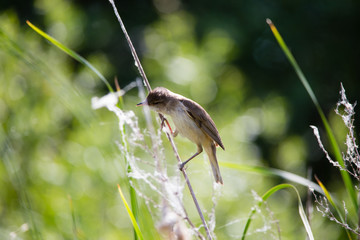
191, 121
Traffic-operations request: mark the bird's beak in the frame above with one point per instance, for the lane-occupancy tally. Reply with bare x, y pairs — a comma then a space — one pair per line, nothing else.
141, 104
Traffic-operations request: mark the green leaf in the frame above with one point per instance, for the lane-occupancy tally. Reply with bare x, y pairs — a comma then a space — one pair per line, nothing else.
70, 53
131, 215
133, 200
300, 208
335, 147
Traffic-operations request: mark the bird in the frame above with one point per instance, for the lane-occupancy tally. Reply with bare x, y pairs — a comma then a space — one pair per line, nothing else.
191, 121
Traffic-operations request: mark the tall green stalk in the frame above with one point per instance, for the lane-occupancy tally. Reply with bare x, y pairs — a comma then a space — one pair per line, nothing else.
334, 145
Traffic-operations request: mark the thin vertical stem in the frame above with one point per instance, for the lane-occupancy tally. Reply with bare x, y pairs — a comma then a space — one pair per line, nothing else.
143, 75
132, 48
190, 187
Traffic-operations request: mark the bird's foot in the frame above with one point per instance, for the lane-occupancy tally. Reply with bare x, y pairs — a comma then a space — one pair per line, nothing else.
181, 166
175, 133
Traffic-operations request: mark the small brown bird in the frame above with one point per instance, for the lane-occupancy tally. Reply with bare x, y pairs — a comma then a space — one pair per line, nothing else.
191, 121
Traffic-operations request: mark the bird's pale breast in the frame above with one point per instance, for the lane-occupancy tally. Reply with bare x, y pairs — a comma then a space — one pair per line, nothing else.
187, 126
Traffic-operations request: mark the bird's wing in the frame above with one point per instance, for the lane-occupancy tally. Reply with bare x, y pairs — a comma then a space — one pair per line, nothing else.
200, 116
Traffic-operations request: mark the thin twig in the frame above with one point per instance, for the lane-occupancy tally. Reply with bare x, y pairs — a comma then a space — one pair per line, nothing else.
133, 52
190, 187
149, 125
143, 75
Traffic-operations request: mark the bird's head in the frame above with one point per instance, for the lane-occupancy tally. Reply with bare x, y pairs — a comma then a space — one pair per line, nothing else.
157, 99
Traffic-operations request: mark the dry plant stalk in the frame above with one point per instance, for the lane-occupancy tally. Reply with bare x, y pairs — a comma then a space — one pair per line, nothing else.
162, 118
351, 157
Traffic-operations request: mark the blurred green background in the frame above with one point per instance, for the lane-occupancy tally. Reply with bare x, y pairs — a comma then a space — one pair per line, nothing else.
222, 54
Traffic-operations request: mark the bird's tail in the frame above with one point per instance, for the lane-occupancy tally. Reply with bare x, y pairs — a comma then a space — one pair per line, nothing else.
211, 152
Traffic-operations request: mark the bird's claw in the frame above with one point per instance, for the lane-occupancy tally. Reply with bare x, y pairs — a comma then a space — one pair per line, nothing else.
175, 133
181, 166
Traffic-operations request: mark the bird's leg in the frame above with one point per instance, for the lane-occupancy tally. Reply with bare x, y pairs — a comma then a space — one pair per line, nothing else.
199, 150
163, 120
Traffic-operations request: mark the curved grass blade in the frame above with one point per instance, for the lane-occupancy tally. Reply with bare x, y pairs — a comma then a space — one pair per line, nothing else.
131, 215
78, 234
335, 147
274, 172
300, 208
71, 53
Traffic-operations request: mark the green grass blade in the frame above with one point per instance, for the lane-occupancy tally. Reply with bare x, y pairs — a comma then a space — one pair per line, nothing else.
75, 230
134, 203
131, 215
78, 234
327, 194
70, 53
293, 62
273, 172
300, 207
332, 202
335, 147
303, 216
